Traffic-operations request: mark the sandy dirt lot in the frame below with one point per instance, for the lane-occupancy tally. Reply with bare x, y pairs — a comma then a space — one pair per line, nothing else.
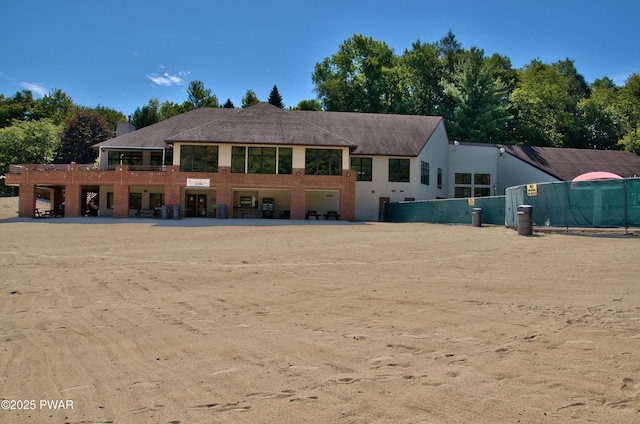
155, 322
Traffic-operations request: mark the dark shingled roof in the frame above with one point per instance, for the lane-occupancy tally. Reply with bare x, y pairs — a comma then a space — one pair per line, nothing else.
370, 134
566, 164
156, 135
262, 124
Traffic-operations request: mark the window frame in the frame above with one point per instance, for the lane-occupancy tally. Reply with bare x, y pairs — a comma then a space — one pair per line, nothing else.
399, 170
364, 171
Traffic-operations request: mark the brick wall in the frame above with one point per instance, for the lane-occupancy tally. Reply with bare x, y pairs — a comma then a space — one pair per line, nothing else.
224, 181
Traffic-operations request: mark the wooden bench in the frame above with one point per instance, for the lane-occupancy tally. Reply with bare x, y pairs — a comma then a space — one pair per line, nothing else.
312, 213
332, 214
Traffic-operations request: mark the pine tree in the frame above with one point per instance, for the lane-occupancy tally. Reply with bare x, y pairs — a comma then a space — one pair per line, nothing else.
275, 98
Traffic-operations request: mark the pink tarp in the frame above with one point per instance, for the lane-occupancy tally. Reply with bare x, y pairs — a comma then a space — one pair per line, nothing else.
593, 176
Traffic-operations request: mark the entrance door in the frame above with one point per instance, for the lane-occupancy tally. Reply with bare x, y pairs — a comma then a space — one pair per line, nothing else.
202, 205
196, 205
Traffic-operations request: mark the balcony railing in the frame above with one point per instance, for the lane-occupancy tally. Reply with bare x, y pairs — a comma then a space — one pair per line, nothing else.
17, 169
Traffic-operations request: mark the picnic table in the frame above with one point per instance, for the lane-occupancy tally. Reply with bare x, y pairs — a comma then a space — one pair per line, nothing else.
332, 214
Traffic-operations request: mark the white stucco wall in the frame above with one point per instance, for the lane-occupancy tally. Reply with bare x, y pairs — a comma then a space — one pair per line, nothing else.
513, 172
368, 193
474, 159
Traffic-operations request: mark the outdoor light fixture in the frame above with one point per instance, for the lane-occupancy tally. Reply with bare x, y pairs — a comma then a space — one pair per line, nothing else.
501, 151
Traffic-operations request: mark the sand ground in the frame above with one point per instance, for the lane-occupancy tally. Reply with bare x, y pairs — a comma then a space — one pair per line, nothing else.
146, 322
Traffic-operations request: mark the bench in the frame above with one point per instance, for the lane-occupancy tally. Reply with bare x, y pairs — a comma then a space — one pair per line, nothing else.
147, 212
312, 213
332, 214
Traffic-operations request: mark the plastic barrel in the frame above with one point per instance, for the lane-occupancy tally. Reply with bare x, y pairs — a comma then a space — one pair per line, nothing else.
223, 211
176, 212
476, 217
165, 212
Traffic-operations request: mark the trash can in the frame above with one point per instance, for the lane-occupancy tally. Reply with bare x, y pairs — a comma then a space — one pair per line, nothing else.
223, 211
164, 212
476, 217
525, 220
176, 212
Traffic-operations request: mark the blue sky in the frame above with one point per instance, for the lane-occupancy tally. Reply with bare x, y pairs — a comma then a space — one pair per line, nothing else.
121, 54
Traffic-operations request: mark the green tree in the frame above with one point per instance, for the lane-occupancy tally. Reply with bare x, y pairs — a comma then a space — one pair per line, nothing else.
17, 107
81, 132
149, 114
249, 99
629, 104
228, 104
275, 98
546, 105
357, 77
601, 114
27, 142
57, 106
449, 50
421, 72
200, 96
310, 104
480, 111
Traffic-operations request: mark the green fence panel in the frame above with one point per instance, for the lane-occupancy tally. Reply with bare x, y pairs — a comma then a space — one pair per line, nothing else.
447, 211
599, 204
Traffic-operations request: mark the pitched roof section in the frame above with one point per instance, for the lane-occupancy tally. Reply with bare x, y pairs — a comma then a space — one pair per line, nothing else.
262, 124
378, 134
367, 133
156, 135
566, 164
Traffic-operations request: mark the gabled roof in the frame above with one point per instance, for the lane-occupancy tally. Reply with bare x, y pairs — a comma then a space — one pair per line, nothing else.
367, 133
565, 164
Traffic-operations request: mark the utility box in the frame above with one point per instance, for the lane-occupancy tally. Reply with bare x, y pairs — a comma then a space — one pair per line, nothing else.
267, 207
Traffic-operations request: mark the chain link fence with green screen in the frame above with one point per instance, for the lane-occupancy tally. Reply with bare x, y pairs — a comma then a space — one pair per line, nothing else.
598, 204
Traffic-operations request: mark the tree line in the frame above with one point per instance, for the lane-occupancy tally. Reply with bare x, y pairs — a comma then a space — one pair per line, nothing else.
482, 98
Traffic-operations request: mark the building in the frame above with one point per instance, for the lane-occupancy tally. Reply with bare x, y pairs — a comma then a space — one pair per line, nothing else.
272, 163
213, 161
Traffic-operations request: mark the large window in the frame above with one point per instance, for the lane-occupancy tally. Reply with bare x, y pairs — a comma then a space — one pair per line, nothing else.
323, 162
285, 160
156, 200
399, 170
261, 160
195, 158
238, 154
363, 168
468, 184
424, 173
124, 158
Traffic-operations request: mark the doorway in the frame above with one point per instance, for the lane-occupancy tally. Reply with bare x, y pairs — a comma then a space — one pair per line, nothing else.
197, 205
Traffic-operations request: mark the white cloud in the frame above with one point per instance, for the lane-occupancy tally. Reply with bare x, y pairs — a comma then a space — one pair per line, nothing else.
34, 88
167, 79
